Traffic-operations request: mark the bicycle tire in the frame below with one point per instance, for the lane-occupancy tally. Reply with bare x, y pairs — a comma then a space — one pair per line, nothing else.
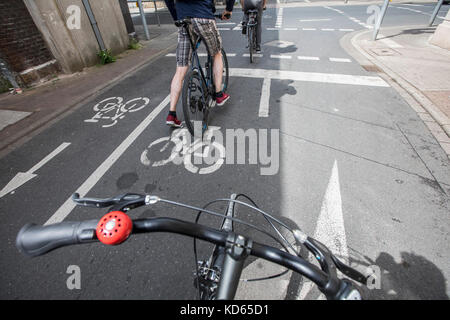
226, 71
250, 43
193, 105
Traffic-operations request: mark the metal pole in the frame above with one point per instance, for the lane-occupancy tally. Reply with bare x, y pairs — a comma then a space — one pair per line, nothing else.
380, 19
157, 15
144, 21
435, 12
90, 14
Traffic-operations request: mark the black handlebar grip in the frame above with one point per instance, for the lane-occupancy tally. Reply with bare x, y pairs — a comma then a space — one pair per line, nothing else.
34, 240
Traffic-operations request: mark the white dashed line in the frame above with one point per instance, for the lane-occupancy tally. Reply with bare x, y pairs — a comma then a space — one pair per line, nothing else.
340, 60
313, 20
278, 56
308, 58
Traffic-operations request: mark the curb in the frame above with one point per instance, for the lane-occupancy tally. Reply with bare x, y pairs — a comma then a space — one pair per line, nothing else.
415, 98
48, 120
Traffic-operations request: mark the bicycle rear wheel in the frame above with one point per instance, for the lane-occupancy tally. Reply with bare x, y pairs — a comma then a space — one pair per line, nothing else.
226, 72
251, 33
194, 97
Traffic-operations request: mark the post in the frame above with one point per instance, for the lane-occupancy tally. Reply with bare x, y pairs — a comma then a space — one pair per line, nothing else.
144, 20
435, 12
380, 19
98, 35
156, 12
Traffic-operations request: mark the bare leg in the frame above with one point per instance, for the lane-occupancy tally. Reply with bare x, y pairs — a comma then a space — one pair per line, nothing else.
218, 71
176, 86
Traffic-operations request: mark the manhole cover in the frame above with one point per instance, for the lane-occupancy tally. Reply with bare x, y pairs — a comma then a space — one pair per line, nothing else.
385, 52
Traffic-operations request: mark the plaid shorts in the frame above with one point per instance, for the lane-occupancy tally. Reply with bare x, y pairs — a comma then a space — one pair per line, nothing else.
206, 29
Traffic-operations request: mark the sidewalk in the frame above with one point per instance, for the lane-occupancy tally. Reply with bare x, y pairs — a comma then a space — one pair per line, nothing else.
23, 116
418, 70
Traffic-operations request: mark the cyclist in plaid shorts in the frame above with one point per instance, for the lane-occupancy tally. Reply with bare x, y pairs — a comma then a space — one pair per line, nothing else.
201, 13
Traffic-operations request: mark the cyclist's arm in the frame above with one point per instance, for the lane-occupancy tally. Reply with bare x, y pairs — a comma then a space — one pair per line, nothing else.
171, 6
230, 5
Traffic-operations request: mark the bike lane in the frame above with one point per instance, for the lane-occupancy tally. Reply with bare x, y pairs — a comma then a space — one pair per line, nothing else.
161, 265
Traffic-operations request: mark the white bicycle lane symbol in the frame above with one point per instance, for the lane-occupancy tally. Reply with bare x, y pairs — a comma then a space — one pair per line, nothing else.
113, 109
183, 151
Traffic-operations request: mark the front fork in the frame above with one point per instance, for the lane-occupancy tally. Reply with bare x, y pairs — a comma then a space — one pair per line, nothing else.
237, 250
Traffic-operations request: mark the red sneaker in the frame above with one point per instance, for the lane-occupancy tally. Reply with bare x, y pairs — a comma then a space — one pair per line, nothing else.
221, 100
173, 121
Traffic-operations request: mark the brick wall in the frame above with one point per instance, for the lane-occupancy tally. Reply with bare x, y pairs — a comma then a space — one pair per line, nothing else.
21, 43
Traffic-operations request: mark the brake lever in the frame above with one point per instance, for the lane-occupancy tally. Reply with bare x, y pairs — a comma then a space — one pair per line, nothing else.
338, 264
122, 201
93, 202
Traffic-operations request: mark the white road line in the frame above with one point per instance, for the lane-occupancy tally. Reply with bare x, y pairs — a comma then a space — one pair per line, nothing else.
271, 29
309, 77
265, 96
340, 60
258, 55
225, 23
327, 29
231, 54
68, 206
23, 177
171, 55
53, 154
278, 56
309, 29
225, 29
313, 20
346, 29
291, 29
308, 58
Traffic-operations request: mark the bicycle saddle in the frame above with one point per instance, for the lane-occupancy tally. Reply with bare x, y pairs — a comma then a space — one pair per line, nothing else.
183, 23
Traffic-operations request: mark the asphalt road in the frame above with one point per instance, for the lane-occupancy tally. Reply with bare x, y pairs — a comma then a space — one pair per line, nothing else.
357, 168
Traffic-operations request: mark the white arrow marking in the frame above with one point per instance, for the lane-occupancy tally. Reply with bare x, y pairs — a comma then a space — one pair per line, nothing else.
330, 228
23, 177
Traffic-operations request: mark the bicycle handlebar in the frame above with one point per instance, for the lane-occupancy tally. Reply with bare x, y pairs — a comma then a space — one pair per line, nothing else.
34, 240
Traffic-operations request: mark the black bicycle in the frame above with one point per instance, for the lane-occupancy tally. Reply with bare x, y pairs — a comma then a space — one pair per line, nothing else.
251, 32
218, 276
198, 93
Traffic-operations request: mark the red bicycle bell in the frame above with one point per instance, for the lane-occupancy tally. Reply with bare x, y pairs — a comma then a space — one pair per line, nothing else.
114, 228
